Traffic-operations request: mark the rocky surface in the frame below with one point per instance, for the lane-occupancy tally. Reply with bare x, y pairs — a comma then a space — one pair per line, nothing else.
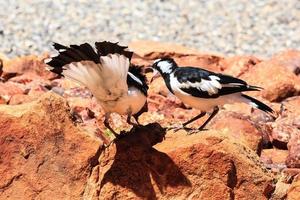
43, 154
54, 144
200, 166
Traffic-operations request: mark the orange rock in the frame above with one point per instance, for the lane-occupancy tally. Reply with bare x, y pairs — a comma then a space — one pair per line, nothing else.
293, 159
238, 65
294, 191
43, 154
276, 156
208, 165
278, 83
290, 59
153, 50
240, 127
291, 107
149, 50
3, 100
21, 98
26, 64
11, 88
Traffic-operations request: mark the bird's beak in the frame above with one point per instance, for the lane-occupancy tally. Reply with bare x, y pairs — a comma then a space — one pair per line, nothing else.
155, 75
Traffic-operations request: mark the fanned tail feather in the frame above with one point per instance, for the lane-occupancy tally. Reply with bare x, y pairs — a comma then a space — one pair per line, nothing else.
104, 75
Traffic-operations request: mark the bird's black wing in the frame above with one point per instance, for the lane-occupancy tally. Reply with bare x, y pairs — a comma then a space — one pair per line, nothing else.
74, 53
137, 79
205, 84
104, 48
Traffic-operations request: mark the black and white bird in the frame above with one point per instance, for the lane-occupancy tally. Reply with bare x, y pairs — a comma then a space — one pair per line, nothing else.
203, 89
118, 85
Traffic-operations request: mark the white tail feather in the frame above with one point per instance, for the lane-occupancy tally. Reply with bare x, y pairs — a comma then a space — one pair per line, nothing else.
107, 81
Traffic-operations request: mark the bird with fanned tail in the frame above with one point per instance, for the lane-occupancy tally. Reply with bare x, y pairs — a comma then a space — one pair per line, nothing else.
118, 85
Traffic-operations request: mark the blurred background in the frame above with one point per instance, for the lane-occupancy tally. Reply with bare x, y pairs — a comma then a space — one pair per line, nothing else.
259, 27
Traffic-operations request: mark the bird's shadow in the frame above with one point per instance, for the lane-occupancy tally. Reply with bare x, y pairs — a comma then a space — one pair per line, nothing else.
137, 166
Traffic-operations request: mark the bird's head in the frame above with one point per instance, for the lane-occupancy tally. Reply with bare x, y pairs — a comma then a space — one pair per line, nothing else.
164, 67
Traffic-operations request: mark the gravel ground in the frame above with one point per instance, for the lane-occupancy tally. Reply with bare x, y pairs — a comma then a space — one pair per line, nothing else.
259, 27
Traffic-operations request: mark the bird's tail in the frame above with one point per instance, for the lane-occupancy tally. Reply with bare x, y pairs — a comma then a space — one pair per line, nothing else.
105, 76
257, 104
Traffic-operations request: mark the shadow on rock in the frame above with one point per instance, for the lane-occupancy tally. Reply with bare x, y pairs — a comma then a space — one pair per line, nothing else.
133, 167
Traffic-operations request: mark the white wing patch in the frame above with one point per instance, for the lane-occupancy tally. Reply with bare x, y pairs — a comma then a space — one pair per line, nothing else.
107, 81
210, 86
135, 78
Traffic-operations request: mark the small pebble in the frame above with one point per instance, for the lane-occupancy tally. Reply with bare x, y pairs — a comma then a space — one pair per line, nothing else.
230, 27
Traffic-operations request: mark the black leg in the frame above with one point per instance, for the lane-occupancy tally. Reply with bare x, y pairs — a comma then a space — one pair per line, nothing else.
136, 119
188, 122
106, 124
215, 111
129, 114
194, 119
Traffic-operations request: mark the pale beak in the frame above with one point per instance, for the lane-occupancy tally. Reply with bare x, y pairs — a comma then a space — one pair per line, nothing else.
155, 75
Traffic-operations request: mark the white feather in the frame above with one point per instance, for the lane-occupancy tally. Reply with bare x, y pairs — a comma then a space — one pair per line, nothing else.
107, 81
211, 86
135, 78
165, 66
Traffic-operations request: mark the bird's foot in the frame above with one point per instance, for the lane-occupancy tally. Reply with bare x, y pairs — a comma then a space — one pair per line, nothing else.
174, 128
177, 128
188, 130
122, 134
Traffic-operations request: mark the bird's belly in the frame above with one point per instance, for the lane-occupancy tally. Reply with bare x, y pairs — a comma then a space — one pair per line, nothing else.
132, 102
205, 104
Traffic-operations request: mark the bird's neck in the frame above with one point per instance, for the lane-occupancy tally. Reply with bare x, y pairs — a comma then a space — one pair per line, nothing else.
167, 80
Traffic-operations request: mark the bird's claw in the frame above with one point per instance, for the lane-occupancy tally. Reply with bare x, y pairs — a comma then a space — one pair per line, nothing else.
187, 129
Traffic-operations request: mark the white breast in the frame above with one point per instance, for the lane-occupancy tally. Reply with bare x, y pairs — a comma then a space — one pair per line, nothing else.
133, 101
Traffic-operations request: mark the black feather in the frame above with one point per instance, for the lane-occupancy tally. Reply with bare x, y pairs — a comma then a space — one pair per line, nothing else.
193, 75
137, 72
74, 53
104, 48
260, 105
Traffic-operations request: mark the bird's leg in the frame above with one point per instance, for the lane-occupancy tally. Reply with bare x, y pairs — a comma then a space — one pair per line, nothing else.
129, 114
129, 120
190, 121
215, 111
106, 124
194, 119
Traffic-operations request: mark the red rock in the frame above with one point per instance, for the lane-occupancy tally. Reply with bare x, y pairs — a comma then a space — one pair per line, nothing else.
152, 50
276, 156
294, 191
240, 127
290, 59
238, 65
158, 86
3, 100
21, 98
293, 159
27, 64
28, 78
43, 154
64, 83
290, 174
35, 92
148, 51
278, 83
291, 107
181, 167
11, 88
281, 134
